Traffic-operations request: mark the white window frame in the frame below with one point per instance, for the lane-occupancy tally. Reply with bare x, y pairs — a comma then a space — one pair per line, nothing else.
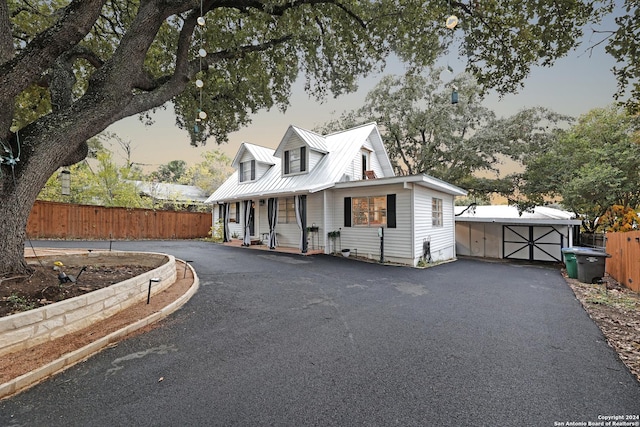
294, 157
437, 212
286, 210
247, 171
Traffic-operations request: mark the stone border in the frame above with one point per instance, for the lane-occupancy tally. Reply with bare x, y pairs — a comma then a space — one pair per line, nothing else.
27, 329
38, 375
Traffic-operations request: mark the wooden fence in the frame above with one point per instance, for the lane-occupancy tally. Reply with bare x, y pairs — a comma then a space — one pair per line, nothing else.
51, 220
624, 264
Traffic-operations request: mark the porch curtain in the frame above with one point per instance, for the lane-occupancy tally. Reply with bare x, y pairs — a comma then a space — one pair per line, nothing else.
272, 211
301, 219
246, 241
226, 235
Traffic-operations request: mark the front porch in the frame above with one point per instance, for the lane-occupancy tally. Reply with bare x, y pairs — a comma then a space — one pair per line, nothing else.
258, 245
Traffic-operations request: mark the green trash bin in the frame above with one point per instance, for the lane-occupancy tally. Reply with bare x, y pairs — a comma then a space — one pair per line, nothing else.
571, 263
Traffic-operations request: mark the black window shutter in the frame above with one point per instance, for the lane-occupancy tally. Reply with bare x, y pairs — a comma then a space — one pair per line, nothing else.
238, 212
241, 172
221, 212
347, 211
253, 170
286, 162
303, 159
391, 211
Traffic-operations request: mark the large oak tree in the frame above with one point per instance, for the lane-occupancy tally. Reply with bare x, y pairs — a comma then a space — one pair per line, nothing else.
69, 69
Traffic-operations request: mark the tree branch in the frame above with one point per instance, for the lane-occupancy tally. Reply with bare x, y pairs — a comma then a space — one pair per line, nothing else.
76, 21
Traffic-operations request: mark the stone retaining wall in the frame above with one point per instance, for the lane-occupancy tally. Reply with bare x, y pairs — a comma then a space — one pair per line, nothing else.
33, 327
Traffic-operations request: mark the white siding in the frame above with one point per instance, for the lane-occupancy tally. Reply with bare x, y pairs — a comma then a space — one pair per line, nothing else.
442, 238
315, 210
261, 169
375, 166
246, 157
313, 158
374, 162
479, 239
397, 241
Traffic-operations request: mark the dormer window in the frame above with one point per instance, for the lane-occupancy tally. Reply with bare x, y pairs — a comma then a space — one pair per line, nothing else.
295, 160
248, 171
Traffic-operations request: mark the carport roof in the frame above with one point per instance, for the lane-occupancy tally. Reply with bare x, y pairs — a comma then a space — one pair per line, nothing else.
540, 215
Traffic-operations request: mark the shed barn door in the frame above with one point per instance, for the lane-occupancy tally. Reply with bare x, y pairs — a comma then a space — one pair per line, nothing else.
532, 242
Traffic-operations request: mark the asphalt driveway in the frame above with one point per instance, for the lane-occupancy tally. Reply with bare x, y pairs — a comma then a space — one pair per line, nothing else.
272, 339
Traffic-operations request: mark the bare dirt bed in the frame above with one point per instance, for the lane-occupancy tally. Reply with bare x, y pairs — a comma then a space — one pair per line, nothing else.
616, 310
42, 287
21, 362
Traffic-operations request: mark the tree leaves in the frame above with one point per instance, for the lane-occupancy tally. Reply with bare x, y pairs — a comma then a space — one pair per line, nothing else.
592, 166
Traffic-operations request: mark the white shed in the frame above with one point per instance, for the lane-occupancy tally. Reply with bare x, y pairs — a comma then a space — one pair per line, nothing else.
502, 232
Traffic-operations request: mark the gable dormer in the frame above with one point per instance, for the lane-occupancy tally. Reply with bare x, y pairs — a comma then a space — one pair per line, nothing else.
300, 150
252, 162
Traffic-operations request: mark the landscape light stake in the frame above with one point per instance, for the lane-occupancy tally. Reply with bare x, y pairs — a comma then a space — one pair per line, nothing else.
156, 280
186, 263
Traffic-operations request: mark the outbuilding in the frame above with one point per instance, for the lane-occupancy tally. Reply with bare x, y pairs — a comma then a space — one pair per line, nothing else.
501, 231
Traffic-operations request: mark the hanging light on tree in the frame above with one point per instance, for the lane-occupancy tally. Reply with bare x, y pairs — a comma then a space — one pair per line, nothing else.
202, 53
65, 181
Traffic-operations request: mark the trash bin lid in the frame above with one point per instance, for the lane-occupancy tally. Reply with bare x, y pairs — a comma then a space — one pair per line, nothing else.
591, 252
582, 249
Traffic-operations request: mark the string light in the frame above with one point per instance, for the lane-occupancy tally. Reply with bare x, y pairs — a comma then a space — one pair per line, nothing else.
451, 23
202, 53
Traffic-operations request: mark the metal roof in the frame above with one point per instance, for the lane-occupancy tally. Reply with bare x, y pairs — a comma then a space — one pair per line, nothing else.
510, 214
259, 153
422, 180
169, 191
313, 140
340, 148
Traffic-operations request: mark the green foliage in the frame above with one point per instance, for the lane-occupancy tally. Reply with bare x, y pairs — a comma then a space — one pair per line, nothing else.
591, 167
256, 51
171, 172
217, 232
209, 174
623, 46
104, 184
20, 303
461, 143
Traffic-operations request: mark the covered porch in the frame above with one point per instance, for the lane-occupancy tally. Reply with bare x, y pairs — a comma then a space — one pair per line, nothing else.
261, 246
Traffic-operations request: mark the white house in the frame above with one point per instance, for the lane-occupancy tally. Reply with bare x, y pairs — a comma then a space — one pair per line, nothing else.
313, 185
500, 231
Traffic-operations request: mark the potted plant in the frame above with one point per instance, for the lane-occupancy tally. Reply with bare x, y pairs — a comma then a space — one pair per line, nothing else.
334, 235
346, 252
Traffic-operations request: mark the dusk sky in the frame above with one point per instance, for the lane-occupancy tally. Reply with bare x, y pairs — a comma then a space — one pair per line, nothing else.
573, 86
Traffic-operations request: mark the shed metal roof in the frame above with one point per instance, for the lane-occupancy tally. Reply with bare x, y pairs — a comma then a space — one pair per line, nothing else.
511, 215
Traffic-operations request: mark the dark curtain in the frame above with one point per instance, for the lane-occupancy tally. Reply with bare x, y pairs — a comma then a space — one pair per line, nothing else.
301, 219
226, 237
246, 241
272, 212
